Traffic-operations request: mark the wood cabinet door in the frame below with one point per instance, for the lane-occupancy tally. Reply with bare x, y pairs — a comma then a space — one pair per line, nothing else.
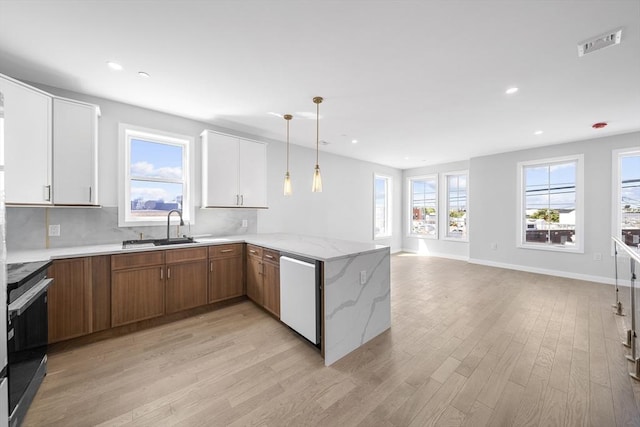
272, 288
69, 299
137, 294
225, 278
186, 285
101, 292
254, 279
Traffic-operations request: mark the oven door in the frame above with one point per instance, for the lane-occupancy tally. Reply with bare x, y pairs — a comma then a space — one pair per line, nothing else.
27, 338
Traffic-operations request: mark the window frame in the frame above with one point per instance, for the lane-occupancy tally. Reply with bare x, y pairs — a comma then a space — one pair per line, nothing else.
445, 213
410, 206
128, 132
616, 160
388, 206
579, 189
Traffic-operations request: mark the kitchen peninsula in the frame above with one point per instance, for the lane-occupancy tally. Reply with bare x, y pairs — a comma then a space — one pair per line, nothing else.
355, 280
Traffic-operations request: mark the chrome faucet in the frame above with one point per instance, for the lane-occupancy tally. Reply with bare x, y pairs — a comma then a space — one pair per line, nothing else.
169, 218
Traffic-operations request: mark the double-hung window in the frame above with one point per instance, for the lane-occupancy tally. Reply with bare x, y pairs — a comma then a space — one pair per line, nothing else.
551, 204
457, 214
423, 208
382, 186
154, 176
626, 204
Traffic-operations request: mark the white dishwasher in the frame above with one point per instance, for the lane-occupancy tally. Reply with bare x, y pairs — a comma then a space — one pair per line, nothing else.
299, 297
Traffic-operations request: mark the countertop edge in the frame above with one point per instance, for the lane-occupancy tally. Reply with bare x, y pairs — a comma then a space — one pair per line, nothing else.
116, 249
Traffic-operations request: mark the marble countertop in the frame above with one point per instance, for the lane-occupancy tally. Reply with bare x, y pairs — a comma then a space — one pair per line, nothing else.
307, 246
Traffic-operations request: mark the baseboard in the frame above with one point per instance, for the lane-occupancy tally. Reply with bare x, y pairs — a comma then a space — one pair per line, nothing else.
549, 272
438, 255
545, 271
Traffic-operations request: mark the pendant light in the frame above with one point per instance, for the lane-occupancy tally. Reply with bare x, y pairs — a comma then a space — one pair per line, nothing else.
287, 176
317, 178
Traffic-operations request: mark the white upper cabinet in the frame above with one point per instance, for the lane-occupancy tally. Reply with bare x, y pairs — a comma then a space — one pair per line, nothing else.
234, 171
75, 138
28, 143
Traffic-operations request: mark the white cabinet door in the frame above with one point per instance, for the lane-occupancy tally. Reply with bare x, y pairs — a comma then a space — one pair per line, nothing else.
74, 152
220, 165
234, 172
27, 128
253, 174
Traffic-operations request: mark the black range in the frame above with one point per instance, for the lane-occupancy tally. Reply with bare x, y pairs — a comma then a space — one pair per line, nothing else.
27, 334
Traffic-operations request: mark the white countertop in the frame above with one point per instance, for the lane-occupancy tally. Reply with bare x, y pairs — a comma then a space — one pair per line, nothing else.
307, 246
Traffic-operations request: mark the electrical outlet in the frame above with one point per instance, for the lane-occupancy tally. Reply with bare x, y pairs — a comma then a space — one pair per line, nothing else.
245, 223
597, 256
54, 230
363, 277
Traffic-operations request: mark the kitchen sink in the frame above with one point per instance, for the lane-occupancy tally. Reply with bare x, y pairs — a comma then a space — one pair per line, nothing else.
148, 243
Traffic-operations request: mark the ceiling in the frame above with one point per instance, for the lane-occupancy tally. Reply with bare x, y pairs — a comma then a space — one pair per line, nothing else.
414, 82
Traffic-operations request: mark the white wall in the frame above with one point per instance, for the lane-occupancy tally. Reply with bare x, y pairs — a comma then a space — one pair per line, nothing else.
344, 209
114, 113
494, 202
436, 247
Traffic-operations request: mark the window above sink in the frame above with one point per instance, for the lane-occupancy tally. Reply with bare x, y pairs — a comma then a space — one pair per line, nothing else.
155, 176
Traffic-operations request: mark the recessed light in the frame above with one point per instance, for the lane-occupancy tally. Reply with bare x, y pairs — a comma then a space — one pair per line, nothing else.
406, 158
143, 74
114, 65
511, 90
354, 141
538, 132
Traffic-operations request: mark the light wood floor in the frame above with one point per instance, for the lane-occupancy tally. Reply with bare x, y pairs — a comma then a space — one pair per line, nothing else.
469, 345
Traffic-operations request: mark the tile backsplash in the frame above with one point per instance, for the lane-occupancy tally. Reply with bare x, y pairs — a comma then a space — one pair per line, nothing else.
26, 227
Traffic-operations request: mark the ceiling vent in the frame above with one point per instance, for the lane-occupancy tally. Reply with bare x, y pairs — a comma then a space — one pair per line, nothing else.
600, 42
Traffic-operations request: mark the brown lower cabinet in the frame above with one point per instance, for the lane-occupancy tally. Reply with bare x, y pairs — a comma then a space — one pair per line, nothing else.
69, 299
186, 285
95, 293
254, 274
226, 267
137, 287
79, 299
263, 278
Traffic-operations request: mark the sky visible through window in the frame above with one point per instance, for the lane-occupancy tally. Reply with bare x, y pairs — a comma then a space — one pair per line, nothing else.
551, 186
423, 205
630, 174
156, 171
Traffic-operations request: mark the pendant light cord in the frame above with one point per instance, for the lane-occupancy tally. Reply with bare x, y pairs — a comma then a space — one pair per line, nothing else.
317, 132
287, 146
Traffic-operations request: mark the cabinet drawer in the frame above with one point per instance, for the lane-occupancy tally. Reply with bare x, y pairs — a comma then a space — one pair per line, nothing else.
190, 254
271, 256
144, 259
223, 251
255, 251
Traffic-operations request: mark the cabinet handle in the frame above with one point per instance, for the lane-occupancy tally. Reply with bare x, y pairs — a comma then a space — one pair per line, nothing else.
252, 251
90, 194
268, 256
168, 273
211, 266
225, 251
237, 199
242, 200
161, 273
47, 189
